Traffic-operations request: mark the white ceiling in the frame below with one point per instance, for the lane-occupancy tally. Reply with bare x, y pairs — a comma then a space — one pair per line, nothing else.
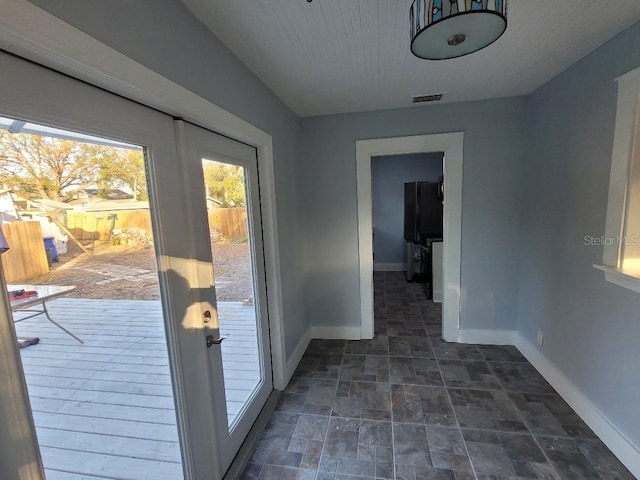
336, 56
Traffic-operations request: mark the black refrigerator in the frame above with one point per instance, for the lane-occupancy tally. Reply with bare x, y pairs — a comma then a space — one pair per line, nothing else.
422, 211
423, 214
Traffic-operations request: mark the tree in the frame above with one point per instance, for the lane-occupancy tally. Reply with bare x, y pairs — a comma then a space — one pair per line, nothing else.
123, 168
224, 182
46, 167
54, 168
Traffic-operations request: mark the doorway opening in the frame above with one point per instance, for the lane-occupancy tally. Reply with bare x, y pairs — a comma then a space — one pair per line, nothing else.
452, 146
407, 218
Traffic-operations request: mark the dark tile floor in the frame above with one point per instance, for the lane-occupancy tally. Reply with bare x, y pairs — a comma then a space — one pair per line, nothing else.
406, 405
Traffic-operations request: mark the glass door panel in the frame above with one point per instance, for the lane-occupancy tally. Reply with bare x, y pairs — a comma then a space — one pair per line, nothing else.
222, 180
153, 373
83, 287
234, 273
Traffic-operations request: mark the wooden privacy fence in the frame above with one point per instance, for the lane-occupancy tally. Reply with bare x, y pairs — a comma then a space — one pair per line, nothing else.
230, 222
26, 257
99, 225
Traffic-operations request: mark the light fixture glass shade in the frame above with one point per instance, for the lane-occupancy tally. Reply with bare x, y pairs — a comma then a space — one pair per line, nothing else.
442, 29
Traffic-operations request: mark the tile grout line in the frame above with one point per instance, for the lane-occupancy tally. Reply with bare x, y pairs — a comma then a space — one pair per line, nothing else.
517, 411
519, 414
393, 438
386, 334
393, 441
526, 424
326, 433
415, 301
453, 410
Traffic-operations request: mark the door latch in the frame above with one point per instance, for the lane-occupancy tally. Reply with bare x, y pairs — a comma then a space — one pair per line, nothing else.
211, 341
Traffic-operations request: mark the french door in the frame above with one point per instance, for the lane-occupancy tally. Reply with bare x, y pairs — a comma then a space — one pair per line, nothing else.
235, 332
219, 386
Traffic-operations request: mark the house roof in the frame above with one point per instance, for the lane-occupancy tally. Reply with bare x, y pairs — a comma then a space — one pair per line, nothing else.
35, 204
108, 194
99, 205
48, 204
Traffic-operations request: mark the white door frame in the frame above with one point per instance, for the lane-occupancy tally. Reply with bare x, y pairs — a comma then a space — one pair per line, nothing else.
452, 144
34, 34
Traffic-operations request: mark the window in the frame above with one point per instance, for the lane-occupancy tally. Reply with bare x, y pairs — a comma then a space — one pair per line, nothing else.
630, 252
621, 242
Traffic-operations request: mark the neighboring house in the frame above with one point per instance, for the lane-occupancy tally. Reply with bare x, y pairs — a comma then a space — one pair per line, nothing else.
92, 196
47, 205
107, 194
8, 211
93, 200
17, 207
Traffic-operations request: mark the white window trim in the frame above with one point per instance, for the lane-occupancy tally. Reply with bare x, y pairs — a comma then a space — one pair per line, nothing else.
627, 113
32, 33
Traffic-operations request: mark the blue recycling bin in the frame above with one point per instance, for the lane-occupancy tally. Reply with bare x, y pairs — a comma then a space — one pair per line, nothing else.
50, 244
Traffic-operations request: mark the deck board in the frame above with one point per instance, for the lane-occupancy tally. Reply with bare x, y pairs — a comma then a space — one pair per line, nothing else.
105, 409
94, 443
109, 427
109, 466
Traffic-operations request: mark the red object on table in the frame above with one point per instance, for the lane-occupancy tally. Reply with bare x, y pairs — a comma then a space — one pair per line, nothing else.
25, 294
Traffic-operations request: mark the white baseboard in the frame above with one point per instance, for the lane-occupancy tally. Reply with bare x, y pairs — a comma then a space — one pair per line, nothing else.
388, 267
618, 443
296, 356
438, 296
487, 337
343, 333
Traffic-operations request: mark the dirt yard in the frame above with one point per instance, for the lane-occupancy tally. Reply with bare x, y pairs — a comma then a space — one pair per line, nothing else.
124, 272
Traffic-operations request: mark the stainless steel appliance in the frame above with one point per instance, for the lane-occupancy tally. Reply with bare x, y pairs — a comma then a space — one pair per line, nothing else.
422, 225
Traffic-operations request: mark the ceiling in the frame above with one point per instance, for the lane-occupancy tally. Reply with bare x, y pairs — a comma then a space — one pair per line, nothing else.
337, 56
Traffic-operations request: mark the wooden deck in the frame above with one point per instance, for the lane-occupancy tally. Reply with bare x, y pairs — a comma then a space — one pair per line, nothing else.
105, 410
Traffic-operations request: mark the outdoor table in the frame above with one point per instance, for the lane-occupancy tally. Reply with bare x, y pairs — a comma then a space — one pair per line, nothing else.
45, 293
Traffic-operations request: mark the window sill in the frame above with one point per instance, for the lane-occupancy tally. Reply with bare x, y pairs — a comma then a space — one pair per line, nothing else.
624, 279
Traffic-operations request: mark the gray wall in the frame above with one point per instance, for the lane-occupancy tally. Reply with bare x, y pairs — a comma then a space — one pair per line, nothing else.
493, 152
389, 174
164, 36
591, 327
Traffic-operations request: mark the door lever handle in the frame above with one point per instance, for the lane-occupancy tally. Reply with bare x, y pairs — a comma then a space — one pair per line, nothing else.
211, 341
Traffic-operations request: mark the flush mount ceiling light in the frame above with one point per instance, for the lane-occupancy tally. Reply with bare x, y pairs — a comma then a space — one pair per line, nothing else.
442, 29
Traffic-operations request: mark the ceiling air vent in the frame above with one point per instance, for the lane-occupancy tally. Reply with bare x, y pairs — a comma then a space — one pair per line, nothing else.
428, 98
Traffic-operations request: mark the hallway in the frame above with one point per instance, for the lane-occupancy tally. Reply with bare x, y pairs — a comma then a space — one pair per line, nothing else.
406, 405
